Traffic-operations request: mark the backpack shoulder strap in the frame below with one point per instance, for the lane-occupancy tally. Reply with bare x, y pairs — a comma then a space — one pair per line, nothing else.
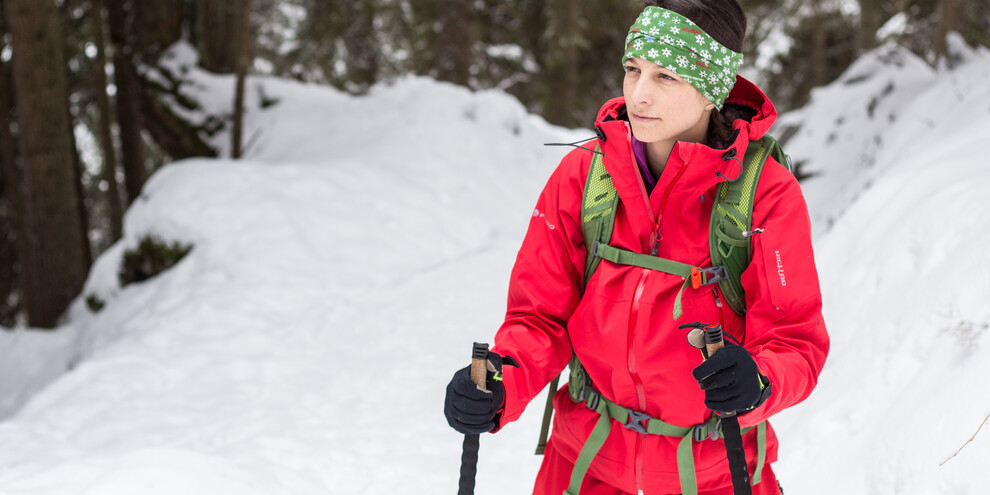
597, 220
732, 219
597, 210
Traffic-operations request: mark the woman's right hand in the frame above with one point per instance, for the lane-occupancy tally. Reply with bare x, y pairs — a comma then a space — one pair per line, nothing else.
468, 408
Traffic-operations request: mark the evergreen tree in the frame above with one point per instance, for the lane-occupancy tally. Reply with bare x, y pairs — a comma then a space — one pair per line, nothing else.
54, 264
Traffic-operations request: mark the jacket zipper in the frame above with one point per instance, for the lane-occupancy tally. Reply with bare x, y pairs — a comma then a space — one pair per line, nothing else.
634, 319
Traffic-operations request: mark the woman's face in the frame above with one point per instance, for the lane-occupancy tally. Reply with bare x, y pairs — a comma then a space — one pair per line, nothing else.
662, 107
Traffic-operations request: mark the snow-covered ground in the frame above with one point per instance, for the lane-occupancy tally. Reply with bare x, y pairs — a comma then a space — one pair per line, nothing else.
341, 271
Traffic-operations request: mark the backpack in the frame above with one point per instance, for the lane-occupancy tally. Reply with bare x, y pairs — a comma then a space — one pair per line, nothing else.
729, 243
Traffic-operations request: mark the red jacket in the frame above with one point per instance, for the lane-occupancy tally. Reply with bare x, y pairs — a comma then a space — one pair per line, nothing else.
622, 328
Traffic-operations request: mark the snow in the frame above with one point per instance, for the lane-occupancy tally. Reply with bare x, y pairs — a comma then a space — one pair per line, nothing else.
342, 269
904, 281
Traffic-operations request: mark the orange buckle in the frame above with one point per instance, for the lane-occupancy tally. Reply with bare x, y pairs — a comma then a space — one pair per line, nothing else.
712, 275
696, 281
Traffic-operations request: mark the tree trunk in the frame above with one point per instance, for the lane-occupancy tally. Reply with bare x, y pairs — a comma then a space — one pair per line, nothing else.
77, 179
55, 265
818, 55
455, 42
8, 146
157, 25
109, 171
870, 20
948, 19
244, 55
562, 40
129, 118
216, 25
12, 248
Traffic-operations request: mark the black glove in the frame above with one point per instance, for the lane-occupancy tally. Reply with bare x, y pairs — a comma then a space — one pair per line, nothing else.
731, 381
467, 408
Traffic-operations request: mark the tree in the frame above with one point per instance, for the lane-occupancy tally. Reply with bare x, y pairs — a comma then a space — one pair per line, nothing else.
55, 264
871, 17
563, 41
217, 23
244, 51
456, 38
115, 209
11, 239
948, 21
129, 117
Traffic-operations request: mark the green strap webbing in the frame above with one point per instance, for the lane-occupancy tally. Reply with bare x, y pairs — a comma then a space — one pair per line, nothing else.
590, 449
761, 450
541, 445
685, 455
626, 257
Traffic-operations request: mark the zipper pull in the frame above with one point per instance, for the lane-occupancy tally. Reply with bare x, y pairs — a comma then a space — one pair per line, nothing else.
718, 304
656, 240
656, 243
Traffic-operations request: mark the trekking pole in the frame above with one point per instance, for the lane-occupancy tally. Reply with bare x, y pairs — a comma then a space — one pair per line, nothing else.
730, 426
469, 454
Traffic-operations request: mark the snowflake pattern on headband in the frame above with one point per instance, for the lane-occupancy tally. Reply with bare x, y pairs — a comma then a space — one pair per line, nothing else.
686, 50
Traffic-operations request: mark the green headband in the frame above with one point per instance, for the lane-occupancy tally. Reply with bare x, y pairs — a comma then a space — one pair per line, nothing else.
674, 42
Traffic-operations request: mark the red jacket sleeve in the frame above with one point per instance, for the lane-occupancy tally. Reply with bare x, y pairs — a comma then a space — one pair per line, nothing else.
785, 330
544, 288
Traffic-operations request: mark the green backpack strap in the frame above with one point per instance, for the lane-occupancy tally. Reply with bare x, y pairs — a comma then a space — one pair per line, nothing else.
597, 211
597, 220
732, 219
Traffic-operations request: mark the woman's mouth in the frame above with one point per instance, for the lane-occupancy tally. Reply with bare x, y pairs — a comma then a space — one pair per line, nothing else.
644, 118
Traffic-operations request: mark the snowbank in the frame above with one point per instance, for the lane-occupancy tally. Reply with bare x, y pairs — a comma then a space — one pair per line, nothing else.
904, 279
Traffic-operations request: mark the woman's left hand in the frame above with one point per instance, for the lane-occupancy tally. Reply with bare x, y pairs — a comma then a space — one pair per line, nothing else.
731, 381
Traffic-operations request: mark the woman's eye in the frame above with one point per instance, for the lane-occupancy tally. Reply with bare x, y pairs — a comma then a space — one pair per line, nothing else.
666, 77
630, 68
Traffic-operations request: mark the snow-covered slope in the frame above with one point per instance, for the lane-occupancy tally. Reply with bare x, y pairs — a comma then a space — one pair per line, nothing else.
904, 278
343, 268
339, 276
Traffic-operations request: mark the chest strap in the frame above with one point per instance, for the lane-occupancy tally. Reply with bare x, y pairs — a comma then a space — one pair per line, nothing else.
693, 276
648, 425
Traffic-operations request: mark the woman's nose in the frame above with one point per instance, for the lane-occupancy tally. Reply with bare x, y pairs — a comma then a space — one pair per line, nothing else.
641, 93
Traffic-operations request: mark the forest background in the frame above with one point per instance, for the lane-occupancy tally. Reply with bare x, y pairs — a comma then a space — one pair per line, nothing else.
88, 109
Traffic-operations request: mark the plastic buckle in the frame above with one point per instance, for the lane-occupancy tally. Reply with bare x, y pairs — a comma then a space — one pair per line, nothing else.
713, 275
636, 419
592, 400
699, 430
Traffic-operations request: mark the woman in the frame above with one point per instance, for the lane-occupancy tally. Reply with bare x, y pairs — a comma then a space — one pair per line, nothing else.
684, 120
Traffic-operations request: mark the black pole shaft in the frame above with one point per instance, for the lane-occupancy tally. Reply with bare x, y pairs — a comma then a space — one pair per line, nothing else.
469, 465
731, 434
736, 455
469, 452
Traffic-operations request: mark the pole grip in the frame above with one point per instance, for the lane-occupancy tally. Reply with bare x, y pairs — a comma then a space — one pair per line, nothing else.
479, 365
712, 348
713, 339
713, 342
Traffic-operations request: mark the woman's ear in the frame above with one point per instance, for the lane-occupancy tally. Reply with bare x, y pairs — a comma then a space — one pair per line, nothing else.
710, 106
